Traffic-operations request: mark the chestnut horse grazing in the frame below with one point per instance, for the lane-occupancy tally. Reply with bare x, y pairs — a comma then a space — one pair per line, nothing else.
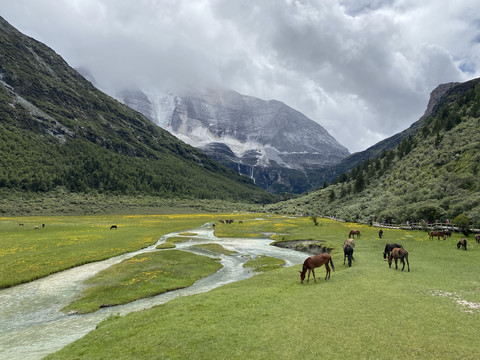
316, 261
353, 233
432, 234
398, 253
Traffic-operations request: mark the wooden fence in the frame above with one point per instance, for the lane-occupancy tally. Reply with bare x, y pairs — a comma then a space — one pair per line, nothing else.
423, 226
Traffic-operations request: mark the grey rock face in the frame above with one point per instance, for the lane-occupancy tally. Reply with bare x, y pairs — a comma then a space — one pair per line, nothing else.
436, 95
277, 146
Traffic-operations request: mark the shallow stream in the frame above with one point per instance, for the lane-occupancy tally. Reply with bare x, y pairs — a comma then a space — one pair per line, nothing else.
32, 324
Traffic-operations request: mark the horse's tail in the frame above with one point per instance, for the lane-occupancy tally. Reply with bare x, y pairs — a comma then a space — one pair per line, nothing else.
331, 263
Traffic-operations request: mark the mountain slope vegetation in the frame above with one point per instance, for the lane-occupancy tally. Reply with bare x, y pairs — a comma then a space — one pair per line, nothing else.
352, 161
57, 130
430, 175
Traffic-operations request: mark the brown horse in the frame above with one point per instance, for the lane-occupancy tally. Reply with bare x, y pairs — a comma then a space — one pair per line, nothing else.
477, 238
398, 253
438, 234
316, 261
462, 244
353, 233
389, 248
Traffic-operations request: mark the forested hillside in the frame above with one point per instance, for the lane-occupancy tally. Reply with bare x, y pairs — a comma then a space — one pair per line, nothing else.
430, 175
58, 131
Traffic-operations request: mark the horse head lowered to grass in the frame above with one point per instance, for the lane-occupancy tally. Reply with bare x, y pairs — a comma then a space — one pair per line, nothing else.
316, 261
398, 253
352, 234
462, 244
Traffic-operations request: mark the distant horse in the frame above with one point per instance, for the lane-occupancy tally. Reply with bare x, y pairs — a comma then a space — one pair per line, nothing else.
36, 228
398, 253
380, 233
113, 227
316, 261
447, 233
20, 224
353, 233
462, 244
389, 248
438, 234
348, 253
477, 238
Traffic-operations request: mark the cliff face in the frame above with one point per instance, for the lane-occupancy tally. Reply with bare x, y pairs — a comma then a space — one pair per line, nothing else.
436, 96
280, 148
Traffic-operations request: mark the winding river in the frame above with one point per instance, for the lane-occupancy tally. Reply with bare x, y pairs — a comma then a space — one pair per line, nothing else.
32, 325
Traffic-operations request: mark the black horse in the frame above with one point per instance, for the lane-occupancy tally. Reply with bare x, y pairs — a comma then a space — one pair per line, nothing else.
348, 253
462, 244
389, 248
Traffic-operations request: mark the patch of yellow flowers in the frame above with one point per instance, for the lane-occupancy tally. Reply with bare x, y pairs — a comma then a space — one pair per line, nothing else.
144, 277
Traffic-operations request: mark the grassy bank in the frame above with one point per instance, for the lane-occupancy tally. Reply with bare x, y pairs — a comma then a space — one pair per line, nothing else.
143, 276
367, 311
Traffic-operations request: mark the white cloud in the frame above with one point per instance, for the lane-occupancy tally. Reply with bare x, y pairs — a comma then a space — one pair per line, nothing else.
362, 69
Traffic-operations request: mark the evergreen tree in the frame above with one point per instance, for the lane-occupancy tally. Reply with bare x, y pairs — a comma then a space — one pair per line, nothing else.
359, 182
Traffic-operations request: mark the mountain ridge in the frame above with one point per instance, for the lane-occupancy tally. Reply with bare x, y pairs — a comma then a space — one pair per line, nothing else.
389, 143
58, 130
430, 175
264, 139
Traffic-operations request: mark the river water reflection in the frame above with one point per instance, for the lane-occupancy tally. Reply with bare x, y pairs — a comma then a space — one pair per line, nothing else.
32, 325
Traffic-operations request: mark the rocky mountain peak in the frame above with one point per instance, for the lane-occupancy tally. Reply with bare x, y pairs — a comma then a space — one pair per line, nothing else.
258, 138
436, 95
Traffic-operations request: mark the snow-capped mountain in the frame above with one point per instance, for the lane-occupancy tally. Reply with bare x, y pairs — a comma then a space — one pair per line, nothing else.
277, 146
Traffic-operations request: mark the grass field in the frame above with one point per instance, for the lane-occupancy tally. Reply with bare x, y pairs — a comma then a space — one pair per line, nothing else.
27, 254
367, 311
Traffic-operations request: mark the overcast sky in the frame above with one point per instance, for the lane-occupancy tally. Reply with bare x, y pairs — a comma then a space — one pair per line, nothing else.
362, 69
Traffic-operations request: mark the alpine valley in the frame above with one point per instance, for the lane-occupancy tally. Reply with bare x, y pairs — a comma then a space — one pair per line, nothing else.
60, 135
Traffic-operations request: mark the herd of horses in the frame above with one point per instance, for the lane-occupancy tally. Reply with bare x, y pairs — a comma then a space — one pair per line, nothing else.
392, 252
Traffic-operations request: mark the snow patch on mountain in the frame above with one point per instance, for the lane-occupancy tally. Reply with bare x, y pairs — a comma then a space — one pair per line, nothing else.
249, 135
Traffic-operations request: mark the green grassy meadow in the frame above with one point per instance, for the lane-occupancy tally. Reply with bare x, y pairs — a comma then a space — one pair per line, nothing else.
367, 311
27, 254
